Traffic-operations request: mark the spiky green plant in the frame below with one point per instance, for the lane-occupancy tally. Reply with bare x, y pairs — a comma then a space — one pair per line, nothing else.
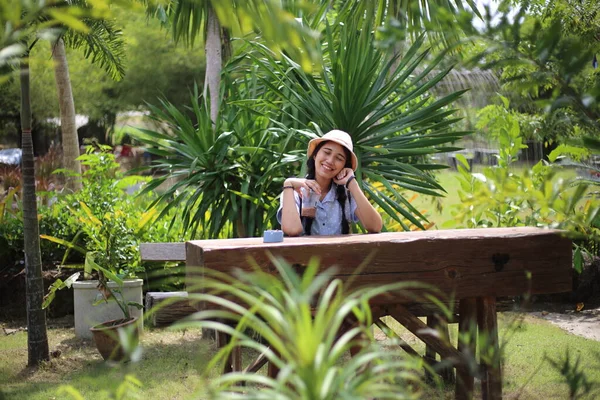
228, 175
385, 106
301, 320
223, 178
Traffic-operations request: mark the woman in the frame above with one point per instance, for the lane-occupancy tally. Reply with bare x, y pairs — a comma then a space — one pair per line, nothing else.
331, 165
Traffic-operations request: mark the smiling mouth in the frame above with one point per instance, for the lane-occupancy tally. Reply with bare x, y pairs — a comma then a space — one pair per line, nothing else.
326, 167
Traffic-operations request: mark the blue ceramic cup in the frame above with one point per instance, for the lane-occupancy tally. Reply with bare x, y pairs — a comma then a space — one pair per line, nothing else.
272, 236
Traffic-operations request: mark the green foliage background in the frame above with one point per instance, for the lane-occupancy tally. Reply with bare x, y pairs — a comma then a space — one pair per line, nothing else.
154, 67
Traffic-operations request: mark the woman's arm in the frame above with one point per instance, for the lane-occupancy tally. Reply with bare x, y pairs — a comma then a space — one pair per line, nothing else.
290, 218
366, 213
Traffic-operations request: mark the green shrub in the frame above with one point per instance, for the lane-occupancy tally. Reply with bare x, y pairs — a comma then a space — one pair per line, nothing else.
501, 197
11, 243
105, 216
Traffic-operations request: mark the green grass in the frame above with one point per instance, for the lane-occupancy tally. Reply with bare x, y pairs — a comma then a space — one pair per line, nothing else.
527, 370
527, 343
440, 210
172, 361
168, 369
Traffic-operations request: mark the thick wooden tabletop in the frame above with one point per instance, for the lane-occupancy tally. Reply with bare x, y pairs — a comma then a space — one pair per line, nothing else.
345, 240
462, 263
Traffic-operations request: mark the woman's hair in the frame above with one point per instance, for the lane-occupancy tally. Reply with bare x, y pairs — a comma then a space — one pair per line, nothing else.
340, 192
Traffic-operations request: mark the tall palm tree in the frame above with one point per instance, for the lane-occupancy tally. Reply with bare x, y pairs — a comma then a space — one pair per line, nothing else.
103, 43
37, 338
214, 20
68, 127
19, 22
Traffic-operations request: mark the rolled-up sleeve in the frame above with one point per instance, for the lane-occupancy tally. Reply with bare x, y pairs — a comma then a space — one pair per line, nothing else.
280, 210
351, 210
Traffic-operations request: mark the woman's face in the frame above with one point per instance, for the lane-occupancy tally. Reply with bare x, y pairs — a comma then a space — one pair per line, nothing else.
330, 160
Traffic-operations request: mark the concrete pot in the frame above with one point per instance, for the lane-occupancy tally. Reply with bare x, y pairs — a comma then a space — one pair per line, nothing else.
88, 315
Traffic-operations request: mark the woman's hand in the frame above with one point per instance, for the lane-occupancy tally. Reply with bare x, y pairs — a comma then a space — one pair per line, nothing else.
299, 183
343, 176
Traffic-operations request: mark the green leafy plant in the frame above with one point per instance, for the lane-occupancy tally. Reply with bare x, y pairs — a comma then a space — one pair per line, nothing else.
110, 223
105, 276
101, 211
53, 220
384, 104
223, 178
501, 197
306, 322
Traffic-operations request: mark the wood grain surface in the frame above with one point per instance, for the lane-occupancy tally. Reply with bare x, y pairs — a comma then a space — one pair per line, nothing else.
461, 263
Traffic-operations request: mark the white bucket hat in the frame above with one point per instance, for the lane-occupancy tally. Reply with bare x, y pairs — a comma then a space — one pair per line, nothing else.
339, 137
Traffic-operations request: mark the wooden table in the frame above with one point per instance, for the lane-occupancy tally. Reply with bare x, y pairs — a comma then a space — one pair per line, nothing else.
471, 266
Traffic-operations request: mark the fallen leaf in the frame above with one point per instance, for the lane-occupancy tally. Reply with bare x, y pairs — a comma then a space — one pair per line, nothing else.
579, 307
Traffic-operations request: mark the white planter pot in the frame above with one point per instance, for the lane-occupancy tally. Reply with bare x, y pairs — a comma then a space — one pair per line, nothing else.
87, 314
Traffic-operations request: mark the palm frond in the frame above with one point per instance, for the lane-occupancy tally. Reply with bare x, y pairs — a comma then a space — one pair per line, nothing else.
226, 177
390, 113
275, 21
103, 43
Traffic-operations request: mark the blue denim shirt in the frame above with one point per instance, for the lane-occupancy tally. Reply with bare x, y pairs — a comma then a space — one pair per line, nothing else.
328, 219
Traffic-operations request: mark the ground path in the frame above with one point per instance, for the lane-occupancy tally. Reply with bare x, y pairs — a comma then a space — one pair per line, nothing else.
584, 323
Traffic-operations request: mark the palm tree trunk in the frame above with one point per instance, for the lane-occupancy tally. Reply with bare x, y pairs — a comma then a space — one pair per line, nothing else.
70, 141
214, 63
212, 83
37, 337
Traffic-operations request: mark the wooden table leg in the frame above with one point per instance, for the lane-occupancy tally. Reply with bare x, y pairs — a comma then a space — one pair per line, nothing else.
272, 370
430, 353
234, 360
441, 325
467, 323
222, 341
491, 381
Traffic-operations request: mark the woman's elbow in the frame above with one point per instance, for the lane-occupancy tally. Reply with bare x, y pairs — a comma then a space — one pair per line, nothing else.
375, 226
292, 231
374, 229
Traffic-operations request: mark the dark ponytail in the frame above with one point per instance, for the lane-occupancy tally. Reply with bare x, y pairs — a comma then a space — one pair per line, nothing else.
340, 191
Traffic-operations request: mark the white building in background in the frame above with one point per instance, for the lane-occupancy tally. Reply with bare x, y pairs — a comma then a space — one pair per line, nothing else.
80, 120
